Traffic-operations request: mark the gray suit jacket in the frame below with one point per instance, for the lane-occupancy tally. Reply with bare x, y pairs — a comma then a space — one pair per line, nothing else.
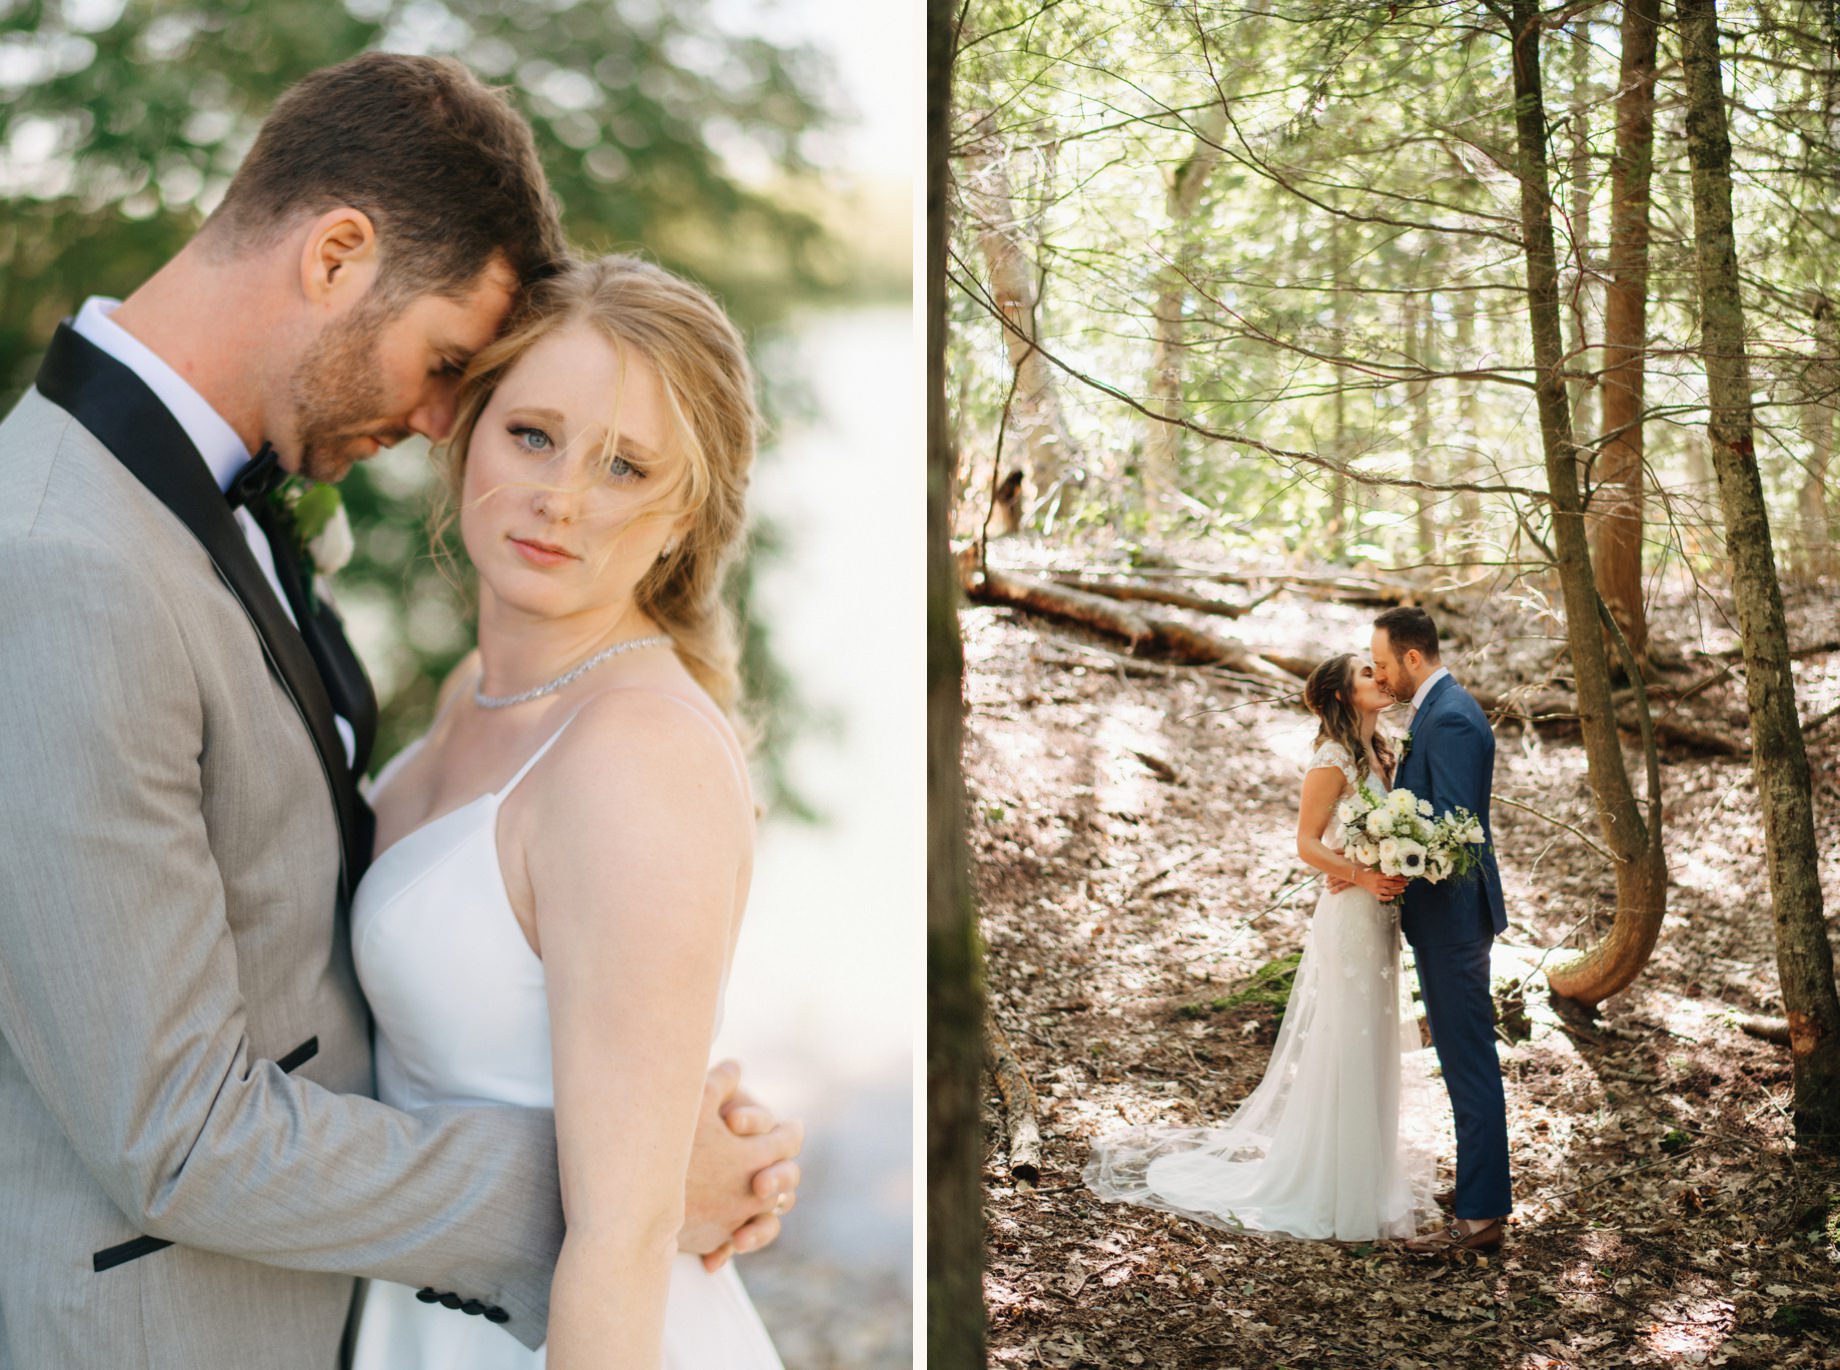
171, 927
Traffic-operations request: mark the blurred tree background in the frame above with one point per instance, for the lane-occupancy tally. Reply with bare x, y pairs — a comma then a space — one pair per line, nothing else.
662, 132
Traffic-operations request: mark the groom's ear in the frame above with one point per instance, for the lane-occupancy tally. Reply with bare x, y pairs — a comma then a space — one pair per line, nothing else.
339, 259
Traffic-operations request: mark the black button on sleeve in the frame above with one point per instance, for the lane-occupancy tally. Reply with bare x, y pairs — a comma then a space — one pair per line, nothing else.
450, 1300
472, 1308
497, 1314
427, 1295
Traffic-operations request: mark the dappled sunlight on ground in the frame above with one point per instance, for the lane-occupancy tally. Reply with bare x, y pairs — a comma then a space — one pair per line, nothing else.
1663, 1215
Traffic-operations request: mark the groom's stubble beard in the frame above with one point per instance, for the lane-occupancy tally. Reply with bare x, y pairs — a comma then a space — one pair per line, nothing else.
338, 397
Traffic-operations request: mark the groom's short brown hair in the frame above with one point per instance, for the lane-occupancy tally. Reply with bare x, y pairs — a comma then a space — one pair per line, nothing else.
446, 169
1410, 630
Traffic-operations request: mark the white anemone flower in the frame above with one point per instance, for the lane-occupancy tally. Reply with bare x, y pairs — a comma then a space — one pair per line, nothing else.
1410, 858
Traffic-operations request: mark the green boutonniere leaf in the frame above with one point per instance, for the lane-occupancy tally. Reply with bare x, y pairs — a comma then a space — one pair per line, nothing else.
313, 510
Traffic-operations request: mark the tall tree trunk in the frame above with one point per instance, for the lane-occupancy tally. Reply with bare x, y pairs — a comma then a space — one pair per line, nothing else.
1342, 514
1616, 504
955, 1000
1163, 441
1469, 503
1641, 867
1038, 435
1779, 760
1820, 409
1419, 322
1578, 298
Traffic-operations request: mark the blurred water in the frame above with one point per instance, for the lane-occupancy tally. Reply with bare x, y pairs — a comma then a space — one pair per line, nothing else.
823, 1000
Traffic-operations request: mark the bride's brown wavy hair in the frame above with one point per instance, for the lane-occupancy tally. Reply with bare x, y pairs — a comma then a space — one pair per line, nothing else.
1329, 694
702, 361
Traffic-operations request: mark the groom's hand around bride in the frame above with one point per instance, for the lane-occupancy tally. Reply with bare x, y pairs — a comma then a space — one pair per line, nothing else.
743, 1173
1385, 888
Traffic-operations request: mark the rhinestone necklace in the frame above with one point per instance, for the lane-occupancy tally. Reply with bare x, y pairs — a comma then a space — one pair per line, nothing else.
486, 701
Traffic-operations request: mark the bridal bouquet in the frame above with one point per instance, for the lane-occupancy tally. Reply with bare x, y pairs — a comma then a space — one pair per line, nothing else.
1398, 834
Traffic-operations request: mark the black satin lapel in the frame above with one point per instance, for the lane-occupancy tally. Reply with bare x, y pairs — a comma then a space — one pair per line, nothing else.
350, 687
116, 406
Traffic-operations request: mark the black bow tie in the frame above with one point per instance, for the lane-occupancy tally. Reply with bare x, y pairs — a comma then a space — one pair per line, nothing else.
262, 475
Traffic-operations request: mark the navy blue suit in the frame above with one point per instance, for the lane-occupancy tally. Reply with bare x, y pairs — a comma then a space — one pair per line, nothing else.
1451, 927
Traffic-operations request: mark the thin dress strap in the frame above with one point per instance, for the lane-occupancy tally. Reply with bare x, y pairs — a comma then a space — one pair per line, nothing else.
727, 751
537, 755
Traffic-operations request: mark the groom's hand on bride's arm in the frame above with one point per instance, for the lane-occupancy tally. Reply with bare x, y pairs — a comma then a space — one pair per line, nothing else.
742, 1168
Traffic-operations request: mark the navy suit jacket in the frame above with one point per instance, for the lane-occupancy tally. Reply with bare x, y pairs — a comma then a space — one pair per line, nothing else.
1451, 762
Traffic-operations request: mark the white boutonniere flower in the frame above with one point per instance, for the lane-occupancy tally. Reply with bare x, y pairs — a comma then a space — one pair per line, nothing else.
318, 527
1405, 747
332, 547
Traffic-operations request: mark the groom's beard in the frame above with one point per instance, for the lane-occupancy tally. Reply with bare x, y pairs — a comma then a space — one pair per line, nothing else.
338, 396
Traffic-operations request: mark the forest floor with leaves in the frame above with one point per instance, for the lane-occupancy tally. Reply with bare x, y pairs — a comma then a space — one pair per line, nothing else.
1132, 828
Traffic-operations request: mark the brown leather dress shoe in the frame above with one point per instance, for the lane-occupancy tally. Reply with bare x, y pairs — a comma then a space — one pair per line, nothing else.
1484, 1241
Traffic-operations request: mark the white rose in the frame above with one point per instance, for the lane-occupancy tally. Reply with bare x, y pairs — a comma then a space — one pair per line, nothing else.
1424, 807
1473, 833
333, 546
1346, 811
1366, 853
1378, 823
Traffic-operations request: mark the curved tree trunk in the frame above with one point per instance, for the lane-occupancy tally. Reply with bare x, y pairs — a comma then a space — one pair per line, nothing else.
955, 1007
1779, 759
1616, 504
1641, 867
1163, 441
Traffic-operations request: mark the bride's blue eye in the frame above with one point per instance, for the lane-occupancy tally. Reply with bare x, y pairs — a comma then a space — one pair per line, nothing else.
531, 439
619, 469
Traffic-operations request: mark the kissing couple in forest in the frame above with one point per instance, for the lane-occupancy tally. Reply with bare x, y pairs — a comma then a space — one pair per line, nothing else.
1338, 1142
265, 1033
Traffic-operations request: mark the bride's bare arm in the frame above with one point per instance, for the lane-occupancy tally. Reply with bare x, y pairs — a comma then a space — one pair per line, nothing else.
1322, 787
640, 839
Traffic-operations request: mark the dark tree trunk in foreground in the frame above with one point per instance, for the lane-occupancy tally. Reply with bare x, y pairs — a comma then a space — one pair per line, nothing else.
1641, 868
1616, 504
955, 1001
1779, 760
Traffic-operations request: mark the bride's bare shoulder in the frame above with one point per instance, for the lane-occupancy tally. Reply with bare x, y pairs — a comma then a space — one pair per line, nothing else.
665, 749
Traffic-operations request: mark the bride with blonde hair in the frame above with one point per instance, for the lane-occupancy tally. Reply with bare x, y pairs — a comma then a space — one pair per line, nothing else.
564, 859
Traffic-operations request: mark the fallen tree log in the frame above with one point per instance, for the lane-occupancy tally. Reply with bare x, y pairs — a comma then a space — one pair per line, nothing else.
1769, 1029
1551, 708
1020, 1122
1157, 594
1148, 634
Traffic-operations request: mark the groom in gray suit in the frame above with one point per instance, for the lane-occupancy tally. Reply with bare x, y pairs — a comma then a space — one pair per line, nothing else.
192, 1169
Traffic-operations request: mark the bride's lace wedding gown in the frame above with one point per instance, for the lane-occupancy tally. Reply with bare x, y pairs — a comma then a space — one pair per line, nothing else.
1338, 1141
462, 1015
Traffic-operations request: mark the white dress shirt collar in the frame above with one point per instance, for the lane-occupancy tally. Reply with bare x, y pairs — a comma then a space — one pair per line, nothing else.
1418, 695
216, 441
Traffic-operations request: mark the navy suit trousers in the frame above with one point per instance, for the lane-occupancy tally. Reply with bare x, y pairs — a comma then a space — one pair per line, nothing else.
1454, 980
